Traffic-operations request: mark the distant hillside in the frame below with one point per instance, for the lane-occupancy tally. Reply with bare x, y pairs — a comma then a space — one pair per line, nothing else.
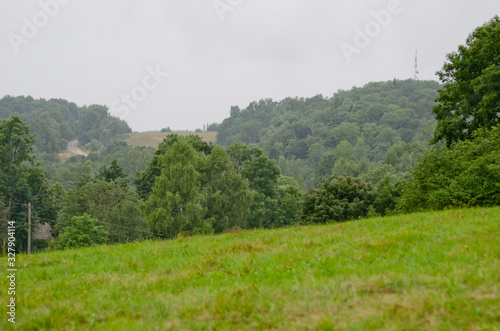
56, 122
153, 139
303, 134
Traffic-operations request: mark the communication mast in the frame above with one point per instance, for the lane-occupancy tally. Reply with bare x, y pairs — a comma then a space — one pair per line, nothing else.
416, 65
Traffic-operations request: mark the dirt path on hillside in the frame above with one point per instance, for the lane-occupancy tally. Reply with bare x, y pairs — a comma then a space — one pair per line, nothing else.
73, 147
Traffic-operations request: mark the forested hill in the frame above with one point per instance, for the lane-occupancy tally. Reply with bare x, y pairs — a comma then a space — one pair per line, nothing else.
56, 121
304, 133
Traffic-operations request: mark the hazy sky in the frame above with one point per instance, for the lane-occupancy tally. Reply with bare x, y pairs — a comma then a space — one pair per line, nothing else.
183, 63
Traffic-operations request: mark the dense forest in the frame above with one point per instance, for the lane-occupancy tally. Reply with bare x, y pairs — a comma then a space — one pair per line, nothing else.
347, 134
56, 122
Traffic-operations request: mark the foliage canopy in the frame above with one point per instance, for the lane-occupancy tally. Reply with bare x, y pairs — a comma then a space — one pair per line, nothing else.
470, 97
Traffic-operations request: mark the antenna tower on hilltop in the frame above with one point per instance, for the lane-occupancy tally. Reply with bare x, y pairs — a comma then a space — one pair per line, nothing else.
416, 65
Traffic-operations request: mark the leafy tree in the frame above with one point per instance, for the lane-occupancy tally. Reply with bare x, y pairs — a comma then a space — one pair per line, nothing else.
94, 146
469, 99
466, 174
301, 130
197, 193
15, 149
228, 194
346, 131
83, 170
345, 151
22, 180
337, 200
354, 168
113, 173
262, 174
388, 192
288, 181
404, 157
82, 231
325, 166
176, 204
316, 152
109, 202
297, 148
213, 127
145, 181
288, 206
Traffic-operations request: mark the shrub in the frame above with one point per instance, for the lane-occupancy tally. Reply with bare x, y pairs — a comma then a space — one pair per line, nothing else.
466, 174
338, 199
82, 232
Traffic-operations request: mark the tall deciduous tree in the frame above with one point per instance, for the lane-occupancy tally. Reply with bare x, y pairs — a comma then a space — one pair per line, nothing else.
263, 175
176, 204
228, 194
21, 179
108, 200
470, 98
145, 181
15, 148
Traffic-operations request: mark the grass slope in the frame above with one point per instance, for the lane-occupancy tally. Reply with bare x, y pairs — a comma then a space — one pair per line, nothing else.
437, 270
153, 139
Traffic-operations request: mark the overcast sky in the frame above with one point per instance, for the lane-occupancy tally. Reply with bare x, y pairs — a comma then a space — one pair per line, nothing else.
184, 63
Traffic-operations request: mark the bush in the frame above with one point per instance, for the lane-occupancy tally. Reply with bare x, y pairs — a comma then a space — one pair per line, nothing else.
82, 232
288, 206
388, 184
338, 199
466, 174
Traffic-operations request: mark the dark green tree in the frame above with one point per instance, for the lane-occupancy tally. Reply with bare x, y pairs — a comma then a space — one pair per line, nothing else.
176, 205
464, 175
197, 193
469, 98
22, 181
145, 181
113, 173
110, 203
83, 231
16, 143
263, 175
337, 200
288, 206
228, 194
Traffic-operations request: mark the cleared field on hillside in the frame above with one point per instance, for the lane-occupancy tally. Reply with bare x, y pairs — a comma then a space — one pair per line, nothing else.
438, 270
153, 139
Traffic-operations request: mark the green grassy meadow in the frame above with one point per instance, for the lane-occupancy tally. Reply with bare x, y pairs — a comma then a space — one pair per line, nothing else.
429, 271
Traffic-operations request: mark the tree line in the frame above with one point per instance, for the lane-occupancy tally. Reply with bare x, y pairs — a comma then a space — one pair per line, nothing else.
188, 187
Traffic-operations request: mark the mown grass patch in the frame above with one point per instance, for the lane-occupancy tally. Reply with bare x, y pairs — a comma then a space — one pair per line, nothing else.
437, 270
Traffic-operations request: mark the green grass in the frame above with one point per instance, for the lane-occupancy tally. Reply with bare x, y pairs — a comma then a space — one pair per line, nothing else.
434, 271
153, 139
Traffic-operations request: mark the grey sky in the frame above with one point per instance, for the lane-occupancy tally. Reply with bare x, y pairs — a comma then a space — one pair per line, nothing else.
95, 51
